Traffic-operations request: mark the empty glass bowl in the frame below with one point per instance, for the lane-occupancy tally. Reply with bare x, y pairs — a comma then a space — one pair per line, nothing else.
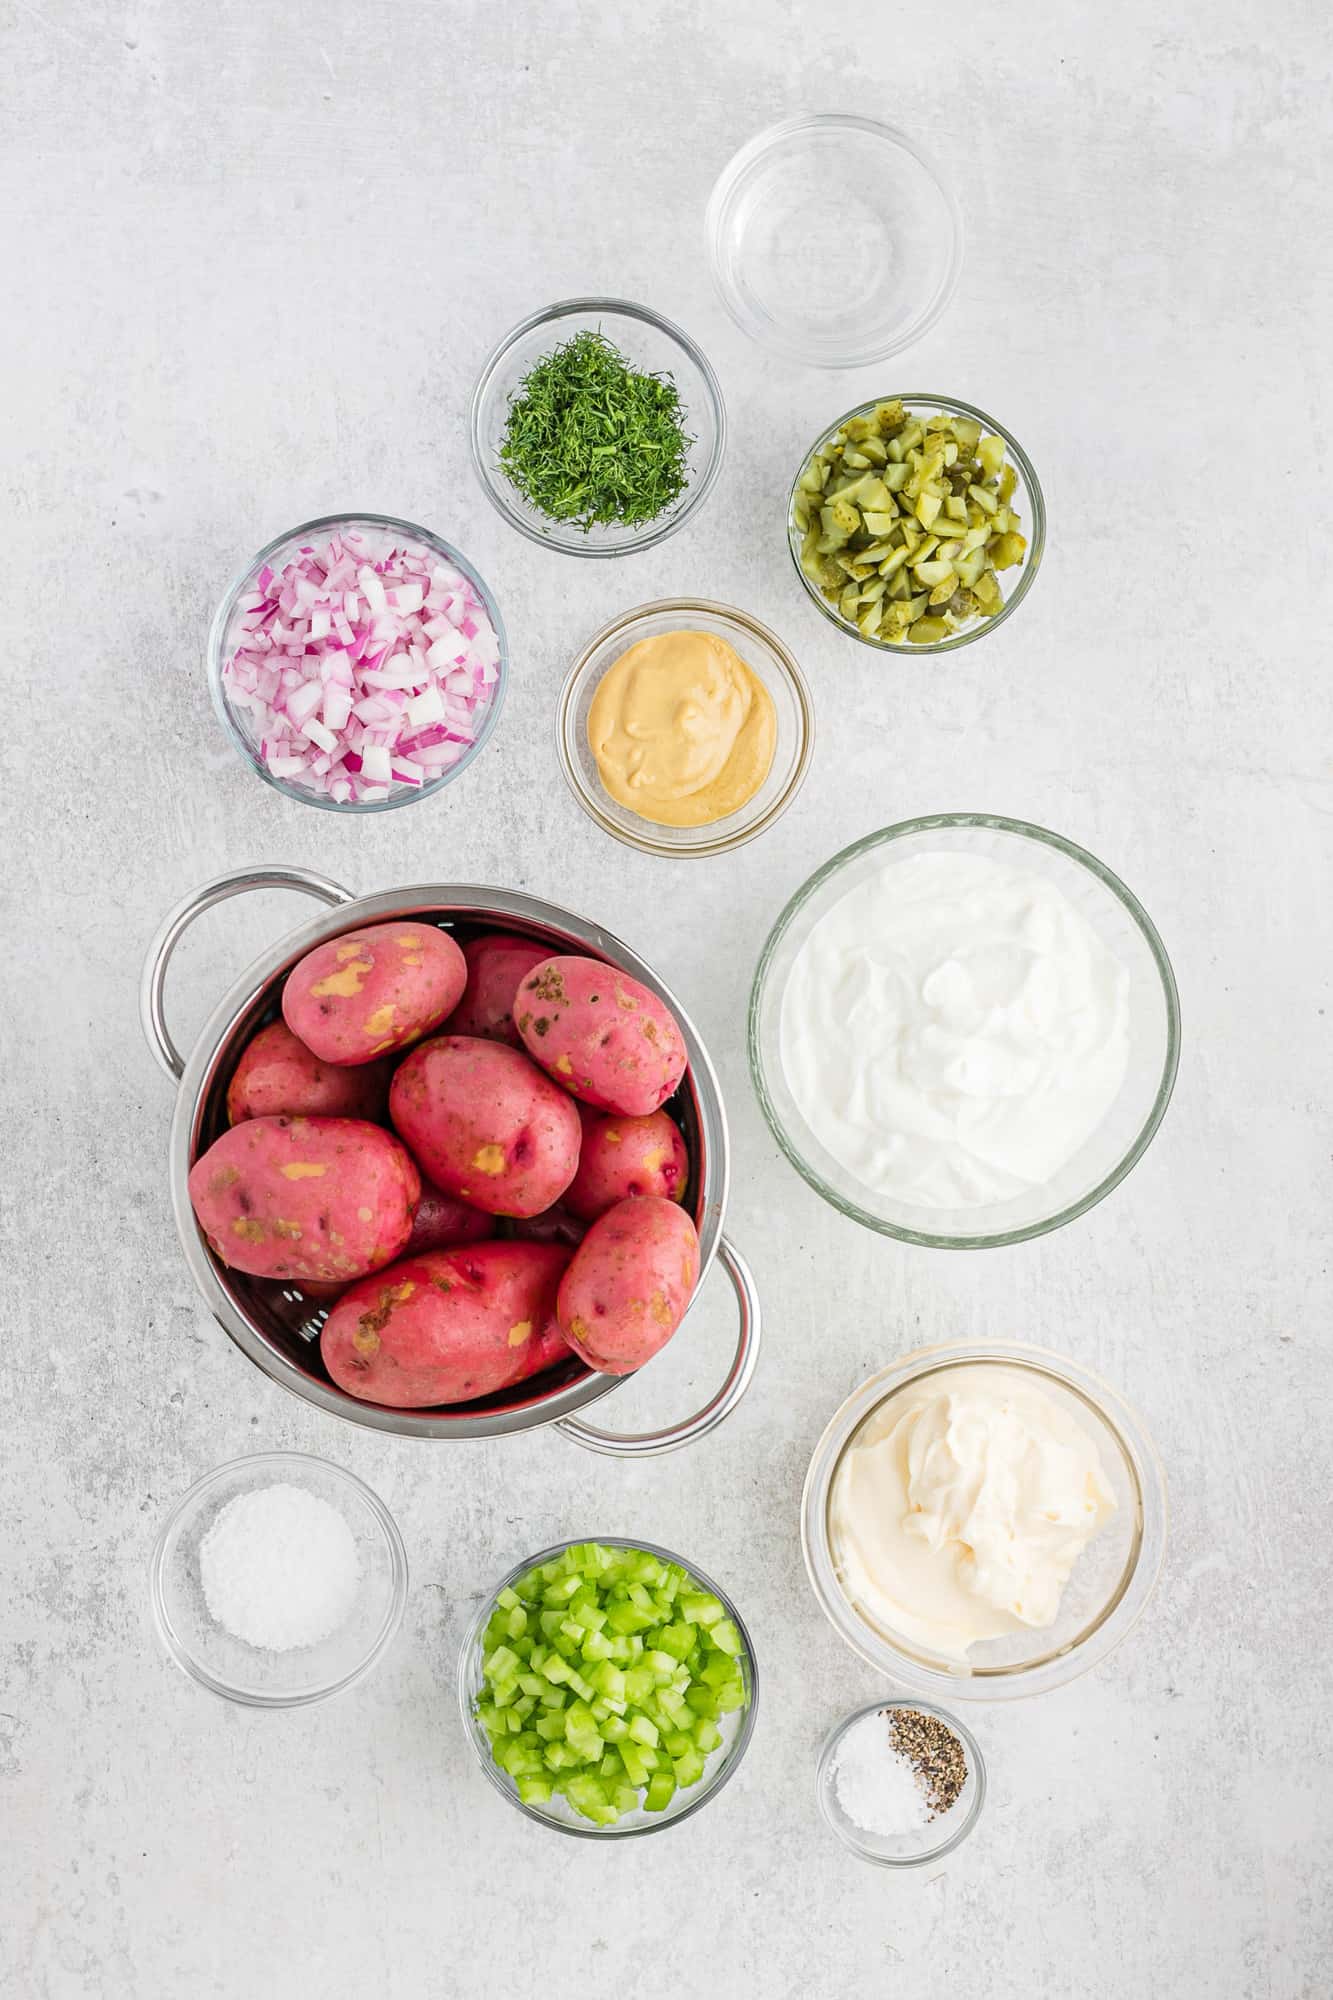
1027, 503
1110, 1584
910, 1848
764, 654
257, 1677
833, 240
1112, 1149
736, 1729
379, 533
649, 343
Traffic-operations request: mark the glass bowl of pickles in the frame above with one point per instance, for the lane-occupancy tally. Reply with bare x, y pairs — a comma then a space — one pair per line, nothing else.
916, 523
608, 1688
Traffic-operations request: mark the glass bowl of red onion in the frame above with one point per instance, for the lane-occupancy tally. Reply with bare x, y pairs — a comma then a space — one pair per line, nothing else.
358, 662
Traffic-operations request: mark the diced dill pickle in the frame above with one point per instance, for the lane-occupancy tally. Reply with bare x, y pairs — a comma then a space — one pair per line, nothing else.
903, 520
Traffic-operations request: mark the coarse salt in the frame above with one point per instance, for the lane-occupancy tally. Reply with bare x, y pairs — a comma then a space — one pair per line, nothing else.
875, 1784
279, 1568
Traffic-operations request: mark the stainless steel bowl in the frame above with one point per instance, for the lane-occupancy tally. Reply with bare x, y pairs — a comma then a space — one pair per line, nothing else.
278, 1327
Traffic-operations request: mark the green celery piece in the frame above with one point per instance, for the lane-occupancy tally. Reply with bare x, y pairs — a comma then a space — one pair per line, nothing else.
559, 1757
661, 1791
596, 1646
639, 1683
610, 1765
725, 1637
582, 1733
731, 1695
567, 1648
532, 1684
698, 1610
504, 1692
517, 1622
677, 1743
600, 1709
554, 1697
703, 1700
639, 1595
638, 1767
580, 1686
589, 1796
490, 1718
550, 1727
574, 1632
497, 1666
534, 1791
626, 1618
561, 1591
550, 1622
506, 1598
495, 1635
524, 1706
678, 1640
513, 1721
615, 1729
718, 1671
644, 1568
625, 1798
661, 1666
664, 1761
556, 1668
644, 1731
707, 1735
672, 1703
608, 1679
689, 1768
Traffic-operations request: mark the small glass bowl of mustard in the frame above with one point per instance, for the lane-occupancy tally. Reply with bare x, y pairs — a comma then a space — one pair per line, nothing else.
771, 665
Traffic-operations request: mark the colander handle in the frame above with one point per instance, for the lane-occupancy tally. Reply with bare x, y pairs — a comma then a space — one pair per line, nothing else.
177, 922
648, 1444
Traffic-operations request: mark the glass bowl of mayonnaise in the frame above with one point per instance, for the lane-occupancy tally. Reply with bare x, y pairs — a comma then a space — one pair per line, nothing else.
964, 1031
685, 727
983, 1521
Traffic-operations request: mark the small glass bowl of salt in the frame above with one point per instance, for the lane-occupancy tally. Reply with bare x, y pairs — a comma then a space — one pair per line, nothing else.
900, 1782
278, 1579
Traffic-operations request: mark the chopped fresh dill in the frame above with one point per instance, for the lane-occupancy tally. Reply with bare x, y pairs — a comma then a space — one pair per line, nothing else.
592, 440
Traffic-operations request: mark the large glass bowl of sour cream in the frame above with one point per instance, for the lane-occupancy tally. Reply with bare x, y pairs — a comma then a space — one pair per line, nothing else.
983, 1521
964, 1031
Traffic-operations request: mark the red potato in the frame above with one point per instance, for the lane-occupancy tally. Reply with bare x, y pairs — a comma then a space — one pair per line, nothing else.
278, 1075
601, 1034
326, 1199
373, 991
620, 1157
629, 1283
444, 1223
553, 1225
495, 965
448, 1326
485, 1124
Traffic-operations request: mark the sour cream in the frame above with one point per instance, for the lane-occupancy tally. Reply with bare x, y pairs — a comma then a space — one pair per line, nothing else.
960, 1508
954, 1030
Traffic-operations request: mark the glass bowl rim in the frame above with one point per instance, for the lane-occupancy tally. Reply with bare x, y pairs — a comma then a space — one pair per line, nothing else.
770, 140
470, 1650
742, 622
977, 1765
1032, 561
1112, 1624
1025, 829
494, 487
331, 524
398, 1565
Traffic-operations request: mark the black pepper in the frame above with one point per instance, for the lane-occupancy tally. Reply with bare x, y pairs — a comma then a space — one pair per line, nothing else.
934, 1753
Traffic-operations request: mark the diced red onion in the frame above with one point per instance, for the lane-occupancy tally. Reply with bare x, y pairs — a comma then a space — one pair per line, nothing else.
354, 677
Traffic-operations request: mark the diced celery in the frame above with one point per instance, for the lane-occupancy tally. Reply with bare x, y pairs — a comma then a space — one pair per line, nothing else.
661, 1790
615, 1729
638, 1766
703, 1700
596, 1646
699, 1610
535, 1791
678, 1743
725, 1637
690, 1767
707, 1735
644, 1731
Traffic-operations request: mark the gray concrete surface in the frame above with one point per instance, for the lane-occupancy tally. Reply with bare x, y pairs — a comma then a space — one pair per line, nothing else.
253, 257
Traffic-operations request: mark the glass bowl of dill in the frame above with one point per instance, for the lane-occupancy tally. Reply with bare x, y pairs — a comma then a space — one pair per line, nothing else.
597, 427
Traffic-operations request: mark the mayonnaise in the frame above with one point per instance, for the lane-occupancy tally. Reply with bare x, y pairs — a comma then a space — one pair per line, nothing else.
683, 731
954, 1030
961, 1506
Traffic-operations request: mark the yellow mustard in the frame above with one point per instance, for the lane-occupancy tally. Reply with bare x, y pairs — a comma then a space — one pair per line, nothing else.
682, 730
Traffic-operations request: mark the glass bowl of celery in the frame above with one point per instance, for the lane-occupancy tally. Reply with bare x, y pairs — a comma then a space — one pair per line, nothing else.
608, 1688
